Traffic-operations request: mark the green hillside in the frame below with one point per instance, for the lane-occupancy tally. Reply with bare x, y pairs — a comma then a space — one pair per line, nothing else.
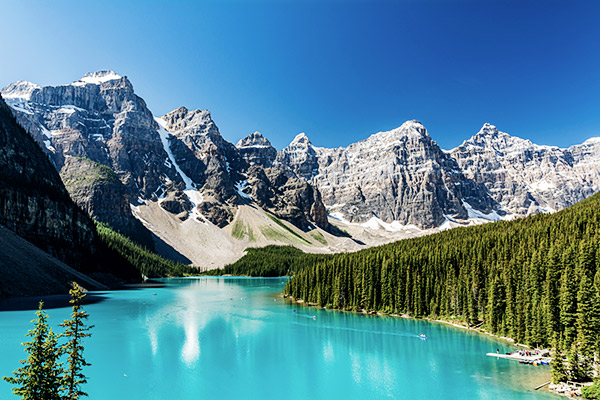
536, 280
148, 263
268, 261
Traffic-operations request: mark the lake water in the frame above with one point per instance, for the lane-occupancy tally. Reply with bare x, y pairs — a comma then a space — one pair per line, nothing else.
233, 338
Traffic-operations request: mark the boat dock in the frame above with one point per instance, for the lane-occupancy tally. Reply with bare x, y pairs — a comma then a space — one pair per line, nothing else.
523, 359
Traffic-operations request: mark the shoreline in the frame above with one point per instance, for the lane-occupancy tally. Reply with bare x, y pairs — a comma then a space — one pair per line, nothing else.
442, 321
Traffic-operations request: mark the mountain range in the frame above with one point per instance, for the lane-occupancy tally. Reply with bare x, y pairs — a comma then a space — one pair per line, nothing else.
174, 184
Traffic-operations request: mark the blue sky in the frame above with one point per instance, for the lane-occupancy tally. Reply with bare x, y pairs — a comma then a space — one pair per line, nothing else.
337, 70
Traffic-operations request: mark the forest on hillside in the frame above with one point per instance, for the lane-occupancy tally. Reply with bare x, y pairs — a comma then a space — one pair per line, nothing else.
268, 261
148, 263
536, 279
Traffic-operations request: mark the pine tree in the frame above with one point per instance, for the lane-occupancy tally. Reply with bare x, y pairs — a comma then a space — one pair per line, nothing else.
386, 289
586, 334
578, 366
559, 370
568, 304
39, 377
75, 331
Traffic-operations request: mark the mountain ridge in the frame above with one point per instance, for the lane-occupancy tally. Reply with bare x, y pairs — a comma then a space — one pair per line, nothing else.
391, 184
178, 162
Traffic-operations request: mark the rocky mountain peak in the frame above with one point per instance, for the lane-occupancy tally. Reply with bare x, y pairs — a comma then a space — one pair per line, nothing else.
257, 150
197, 122
301, 156
525, 177
300, 139
253, 140
491, 138
592, 141
488, 129
19, 90
412, 129
413, 126
101, 122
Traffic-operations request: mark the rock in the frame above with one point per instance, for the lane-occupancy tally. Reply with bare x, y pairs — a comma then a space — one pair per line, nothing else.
216, 212
302, 157
97, 189
98, 118
401, 175
257, 150
36, 206
526, 178
176, 202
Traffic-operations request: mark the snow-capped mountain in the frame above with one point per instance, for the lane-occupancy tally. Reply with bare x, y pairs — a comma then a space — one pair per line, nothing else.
99, 121
400, 176
527, 178
113, 154
177, 177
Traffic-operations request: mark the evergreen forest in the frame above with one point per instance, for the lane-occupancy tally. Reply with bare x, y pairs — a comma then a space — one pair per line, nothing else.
150, 264
268, 261
536, 280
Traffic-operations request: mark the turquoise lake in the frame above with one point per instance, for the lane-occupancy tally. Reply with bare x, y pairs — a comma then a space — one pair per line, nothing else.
234, 338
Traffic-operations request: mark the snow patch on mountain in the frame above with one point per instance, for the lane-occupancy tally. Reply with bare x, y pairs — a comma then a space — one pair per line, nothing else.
19, 90
592, 140
376, 223
542, 186
97, 78
69, 109
478, 215
191, 192
240, 186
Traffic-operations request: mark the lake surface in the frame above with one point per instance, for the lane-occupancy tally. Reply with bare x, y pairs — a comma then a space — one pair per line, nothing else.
233, 338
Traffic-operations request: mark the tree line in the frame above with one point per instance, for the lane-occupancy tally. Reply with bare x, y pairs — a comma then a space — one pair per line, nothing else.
268, 261
150, 264
536, 280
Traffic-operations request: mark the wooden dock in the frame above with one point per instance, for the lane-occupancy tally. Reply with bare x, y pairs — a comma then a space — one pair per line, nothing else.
518, 357
542, 385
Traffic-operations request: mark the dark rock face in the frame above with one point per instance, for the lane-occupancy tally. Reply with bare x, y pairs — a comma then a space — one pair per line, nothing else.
33, 201
36, 206
176, 202
257, 150
296, 194
288, 197
98, 118
216, 212
401, 175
